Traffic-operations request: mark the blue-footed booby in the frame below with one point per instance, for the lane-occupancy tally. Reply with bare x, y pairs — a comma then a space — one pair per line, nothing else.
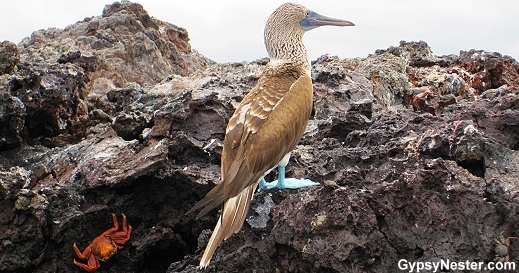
268, 122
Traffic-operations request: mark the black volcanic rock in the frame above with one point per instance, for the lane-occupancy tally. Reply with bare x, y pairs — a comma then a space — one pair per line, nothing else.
416, 154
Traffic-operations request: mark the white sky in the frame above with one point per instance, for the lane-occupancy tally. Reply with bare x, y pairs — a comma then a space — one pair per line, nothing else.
232, 30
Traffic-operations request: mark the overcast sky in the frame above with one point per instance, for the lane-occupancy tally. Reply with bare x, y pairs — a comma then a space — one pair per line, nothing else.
232, 30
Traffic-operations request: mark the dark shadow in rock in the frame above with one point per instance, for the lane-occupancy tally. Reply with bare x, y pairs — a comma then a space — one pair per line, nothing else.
475, 167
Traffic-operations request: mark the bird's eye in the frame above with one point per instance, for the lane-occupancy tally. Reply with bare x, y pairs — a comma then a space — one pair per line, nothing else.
307, 13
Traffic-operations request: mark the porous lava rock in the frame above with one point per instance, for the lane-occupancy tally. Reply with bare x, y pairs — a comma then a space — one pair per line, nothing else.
417, 154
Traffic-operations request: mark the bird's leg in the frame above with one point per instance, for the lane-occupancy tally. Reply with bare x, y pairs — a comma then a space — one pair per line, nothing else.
281, 177
286, 183
262, 184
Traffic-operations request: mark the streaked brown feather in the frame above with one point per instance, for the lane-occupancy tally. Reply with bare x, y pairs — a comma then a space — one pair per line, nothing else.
230, 222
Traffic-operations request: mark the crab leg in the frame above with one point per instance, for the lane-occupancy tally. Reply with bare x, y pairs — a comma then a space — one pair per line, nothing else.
112, 230
120, 238
92, 265
82, 255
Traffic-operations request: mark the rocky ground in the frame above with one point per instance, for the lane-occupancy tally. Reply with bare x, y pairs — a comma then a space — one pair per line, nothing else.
417, 154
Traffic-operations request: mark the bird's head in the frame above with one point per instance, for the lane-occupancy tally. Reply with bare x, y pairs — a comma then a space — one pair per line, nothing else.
287, 24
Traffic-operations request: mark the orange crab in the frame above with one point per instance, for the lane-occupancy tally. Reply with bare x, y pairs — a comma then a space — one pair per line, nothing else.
103, 246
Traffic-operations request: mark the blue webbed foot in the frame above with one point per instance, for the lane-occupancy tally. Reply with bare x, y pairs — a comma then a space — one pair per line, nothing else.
291, 183
286, 183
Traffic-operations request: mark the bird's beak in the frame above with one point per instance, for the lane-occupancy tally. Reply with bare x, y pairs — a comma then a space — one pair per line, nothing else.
314, 19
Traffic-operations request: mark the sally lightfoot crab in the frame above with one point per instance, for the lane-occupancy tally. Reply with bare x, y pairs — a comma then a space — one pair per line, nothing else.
103, 246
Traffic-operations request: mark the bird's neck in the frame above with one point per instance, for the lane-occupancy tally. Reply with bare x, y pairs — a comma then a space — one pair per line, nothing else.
287, 49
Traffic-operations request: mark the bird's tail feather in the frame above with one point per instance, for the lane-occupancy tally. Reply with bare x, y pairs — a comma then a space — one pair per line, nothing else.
233, 215
213, 199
